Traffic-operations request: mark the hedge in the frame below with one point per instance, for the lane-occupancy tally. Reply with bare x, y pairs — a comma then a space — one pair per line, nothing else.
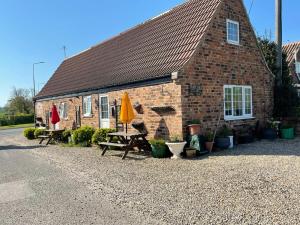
100, 135
7, 120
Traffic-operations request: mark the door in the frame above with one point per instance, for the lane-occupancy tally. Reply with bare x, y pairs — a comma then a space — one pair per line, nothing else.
104, 111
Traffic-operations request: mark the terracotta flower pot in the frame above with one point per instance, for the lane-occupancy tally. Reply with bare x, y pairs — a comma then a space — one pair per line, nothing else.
209, 145
195, 129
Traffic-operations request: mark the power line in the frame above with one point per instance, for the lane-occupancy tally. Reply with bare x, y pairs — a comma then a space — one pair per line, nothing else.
251, 7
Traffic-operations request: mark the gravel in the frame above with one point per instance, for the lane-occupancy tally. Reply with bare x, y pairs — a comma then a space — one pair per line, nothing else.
257, 183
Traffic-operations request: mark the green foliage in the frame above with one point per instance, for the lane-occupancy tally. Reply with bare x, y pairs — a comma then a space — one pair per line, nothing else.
65, 136
209, 136
38, 132
176, 139
100, 135
29, 133
157, 142
286, 98
20, 102
6, 120
224, 132
195, 121
83, 136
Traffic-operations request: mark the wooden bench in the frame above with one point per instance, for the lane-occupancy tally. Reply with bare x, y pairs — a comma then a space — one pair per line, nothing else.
106, 145
43, 137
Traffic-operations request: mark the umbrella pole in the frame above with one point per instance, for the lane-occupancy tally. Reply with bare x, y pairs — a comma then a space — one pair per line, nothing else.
126, 128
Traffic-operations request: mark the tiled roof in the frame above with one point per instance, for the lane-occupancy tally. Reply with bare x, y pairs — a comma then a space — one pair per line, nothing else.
148, 51
291, 49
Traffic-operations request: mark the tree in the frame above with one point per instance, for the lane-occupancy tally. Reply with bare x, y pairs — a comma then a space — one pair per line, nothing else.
20, 102
286, 99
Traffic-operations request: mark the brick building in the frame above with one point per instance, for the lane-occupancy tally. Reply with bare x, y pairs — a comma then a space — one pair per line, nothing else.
292, 50
195, 61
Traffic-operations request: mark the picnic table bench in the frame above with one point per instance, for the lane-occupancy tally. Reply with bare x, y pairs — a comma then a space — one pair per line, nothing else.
126, 141
50, 135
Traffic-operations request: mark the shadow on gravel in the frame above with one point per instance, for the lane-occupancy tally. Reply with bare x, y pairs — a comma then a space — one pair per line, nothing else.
19, 147
276, 148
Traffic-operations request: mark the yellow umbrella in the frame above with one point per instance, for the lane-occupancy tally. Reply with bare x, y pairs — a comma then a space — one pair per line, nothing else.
126, 114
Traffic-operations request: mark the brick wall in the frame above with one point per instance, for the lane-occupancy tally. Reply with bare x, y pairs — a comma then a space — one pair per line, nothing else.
217, 63
158, 125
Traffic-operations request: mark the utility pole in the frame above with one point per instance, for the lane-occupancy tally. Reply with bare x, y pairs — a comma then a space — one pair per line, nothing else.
278, 20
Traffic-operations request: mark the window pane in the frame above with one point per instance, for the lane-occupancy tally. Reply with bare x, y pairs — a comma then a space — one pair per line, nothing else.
104, 108
297, 67
237, 101
232, 31
248, 100
228, 102
65, 115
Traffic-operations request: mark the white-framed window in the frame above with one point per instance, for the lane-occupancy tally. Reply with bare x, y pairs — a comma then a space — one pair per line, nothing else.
87, 106
298, 67
233, 32
237, 102
63, 110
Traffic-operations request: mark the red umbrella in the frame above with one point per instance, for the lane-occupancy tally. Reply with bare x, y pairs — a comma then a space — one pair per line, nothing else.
55, 117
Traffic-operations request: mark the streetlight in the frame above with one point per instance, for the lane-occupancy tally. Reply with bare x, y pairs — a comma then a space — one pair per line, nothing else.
33, 78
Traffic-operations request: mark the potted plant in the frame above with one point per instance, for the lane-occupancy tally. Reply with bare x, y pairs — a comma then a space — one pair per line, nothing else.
194, 127
287, 131
191, 152
270, 131
159, 148
176, 146
223, 138
209, 141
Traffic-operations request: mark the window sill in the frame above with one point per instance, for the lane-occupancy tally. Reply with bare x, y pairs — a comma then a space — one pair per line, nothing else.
239, 118
234, 43
87, 116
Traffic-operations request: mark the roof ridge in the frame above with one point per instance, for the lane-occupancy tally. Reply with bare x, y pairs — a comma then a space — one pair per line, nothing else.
292, 43
131, 28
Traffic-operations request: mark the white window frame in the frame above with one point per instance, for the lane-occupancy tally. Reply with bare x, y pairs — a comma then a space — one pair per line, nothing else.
63, 110
238, 32
87, 105
244, 116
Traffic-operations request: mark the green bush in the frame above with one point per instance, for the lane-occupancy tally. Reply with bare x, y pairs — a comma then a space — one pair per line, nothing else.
83, 136
100, 135
29, 133
65, 136
38, 132
6, 120
157, 142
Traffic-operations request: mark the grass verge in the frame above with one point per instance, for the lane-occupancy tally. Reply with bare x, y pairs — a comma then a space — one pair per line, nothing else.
16, 126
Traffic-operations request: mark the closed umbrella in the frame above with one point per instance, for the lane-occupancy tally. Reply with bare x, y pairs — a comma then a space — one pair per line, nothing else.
55, 117
126, 114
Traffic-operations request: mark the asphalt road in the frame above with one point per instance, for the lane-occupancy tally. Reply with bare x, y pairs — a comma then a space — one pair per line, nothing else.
33, 191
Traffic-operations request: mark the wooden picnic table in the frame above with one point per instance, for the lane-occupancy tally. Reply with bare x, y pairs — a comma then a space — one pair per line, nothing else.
51, 135
126, 141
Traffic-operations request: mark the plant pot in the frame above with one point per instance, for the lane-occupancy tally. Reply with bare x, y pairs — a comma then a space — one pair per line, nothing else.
288, 133
209, 146
194, 129
176, 149
269, 134
159, 151
222, 142
191, 153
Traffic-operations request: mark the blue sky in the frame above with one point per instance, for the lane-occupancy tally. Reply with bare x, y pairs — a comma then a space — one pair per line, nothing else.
35, 30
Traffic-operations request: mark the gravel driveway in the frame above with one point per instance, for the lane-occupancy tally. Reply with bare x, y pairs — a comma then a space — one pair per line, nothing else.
252, 184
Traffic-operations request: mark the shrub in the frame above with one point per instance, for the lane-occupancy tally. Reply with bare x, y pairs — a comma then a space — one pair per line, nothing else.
65, 136
38, 132
83, 135
157, 143
29, 133
6, 120
100, 135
